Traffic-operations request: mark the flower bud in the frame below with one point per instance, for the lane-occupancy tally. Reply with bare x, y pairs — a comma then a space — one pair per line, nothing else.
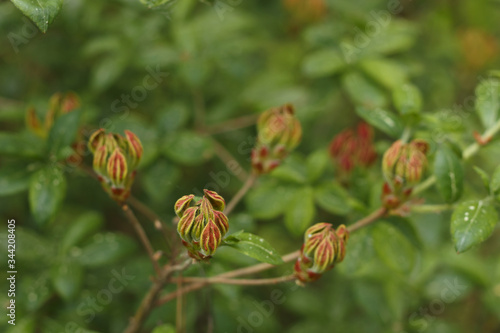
101, 161
323, 247
182, 204
217, 201
134, 147
210, 239
202, 226
34, 124
70, 102
96, 139
404, 164
117, 168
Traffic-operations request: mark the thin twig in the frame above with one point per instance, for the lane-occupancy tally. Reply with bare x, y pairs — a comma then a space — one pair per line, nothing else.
242, 282
368, 219
228, 159
231, 125
179, 307
149, 300
241, 193
142, 236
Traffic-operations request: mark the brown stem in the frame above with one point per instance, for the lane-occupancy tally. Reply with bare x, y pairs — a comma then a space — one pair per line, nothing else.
242, 282
148, 302
179, 307
228, 160
142, 236
241, 193
232, 124
367, 220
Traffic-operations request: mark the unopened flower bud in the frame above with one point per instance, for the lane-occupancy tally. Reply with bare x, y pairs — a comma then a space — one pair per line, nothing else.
135, 148
34, 124
217, 201
404, 164
96, 140
100, 161
70, 102
117, 168
323, 247
202, 226
182, 204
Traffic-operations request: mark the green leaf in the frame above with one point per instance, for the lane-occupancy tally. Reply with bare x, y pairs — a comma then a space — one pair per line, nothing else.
188, 148
300, 212
46, 193
67, 279
292, 170
393, 248
488, 101
317, 163
449, 173
323, 63
485, 178
253, 246
21, 145
104, 249
387, 122
495, 180
407, 99
386, 72
15, 179
362, 91
64, 131
267, 201
41, 12
84, 226
333, 198
472, 222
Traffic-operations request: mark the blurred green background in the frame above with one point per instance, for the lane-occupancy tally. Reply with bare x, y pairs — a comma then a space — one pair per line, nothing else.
220, 60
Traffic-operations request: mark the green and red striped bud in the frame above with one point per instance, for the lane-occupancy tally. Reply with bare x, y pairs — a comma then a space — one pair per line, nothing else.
202, 226
115, 160
323, 247
279, 132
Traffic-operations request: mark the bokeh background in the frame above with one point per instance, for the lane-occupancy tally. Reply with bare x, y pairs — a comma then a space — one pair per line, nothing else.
221, 60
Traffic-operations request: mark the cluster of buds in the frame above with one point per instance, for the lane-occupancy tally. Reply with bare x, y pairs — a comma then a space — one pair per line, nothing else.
279, 132
350, 149
115, 160
202, 226
403, 166
59, 104
323, 247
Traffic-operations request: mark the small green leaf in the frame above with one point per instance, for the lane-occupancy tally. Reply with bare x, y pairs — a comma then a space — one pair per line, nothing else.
46, 193
472, 222
67, 279
363, 91
21, 145
387, 122
317, 163
495, 180
393, 248
267, 201
104, 249
333, 198
292, 170
82, 227
388, 73
485, 178
449, 173
488, 101
407, 99
64, 131
300, 212
253, 246
323, 63
15, 179
188, 148
41, 12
